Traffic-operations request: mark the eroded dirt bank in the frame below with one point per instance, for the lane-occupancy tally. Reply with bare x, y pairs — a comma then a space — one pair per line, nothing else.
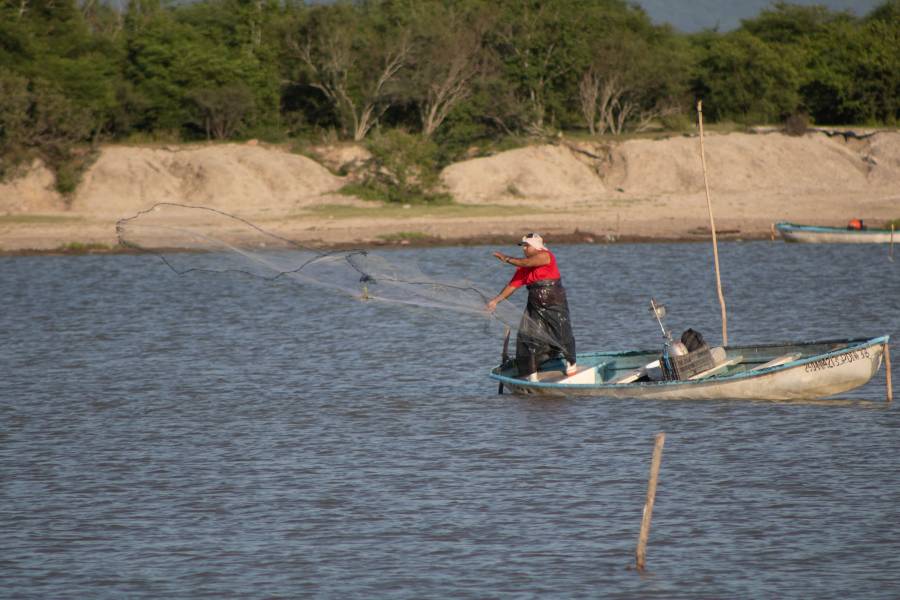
576, 191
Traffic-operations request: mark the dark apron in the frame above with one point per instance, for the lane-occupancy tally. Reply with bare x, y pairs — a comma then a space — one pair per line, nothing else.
546, 329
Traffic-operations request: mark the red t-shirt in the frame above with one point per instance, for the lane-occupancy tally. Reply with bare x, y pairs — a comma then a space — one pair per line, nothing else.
528, 275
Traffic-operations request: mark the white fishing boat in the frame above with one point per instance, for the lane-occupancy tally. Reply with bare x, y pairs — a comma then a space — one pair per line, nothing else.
811, 234
783, 371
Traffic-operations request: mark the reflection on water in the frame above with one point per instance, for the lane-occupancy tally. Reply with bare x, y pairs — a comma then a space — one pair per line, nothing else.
226, 437
833, 401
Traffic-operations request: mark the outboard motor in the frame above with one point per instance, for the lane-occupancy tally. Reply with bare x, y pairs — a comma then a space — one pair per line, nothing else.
693, 340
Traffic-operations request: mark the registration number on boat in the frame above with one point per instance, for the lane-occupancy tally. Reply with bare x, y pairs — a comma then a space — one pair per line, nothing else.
836, 361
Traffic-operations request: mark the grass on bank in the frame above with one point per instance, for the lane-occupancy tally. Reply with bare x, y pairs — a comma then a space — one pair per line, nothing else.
81, 247
404, 236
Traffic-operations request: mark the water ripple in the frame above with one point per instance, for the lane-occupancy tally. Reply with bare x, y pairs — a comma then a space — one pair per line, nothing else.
227, 438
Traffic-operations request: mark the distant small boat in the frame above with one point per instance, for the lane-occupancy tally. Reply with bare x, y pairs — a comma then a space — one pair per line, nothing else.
809, 234
787, 371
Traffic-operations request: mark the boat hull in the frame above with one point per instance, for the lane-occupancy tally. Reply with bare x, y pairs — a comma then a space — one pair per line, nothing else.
806, 234
816, 376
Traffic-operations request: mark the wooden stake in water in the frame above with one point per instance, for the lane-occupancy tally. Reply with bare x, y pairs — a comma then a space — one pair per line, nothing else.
651, 498
887, 367
712, 227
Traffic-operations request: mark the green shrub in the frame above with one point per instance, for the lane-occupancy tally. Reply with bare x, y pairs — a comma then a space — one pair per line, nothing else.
796, 124
81, 247
70, 168
364, 192
678, 122
67, 177
270, 134
405, 168
158, 136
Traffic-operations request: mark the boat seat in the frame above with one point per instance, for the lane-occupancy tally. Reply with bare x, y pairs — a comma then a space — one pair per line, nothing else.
632, 376
716, 369
780, 360
582, 376
587, 375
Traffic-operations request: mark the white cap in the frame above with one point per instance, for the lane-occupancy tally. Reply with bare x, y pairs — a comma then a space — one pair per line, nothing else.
534, 240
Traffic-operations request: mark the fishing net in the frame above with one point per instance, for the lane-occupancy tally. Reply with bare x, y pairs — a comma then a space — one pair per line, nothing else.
195, 238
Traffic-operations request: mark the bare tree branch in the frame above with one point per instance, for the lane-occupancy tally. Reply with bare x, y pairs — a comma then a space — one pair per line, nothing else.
660, 109
449, 69
375, 104
330, 59
589, 92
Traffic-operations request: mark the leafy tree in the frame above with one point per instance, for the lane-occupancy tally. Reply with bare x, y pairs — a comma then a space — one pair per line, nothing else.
743, 78
847, 67
789, 24
552, 51
535, 41
102, 19
464, 72
48, 41
15, 126
224, 110
158, 48
888, 12
174, 54
58, 79
854, 73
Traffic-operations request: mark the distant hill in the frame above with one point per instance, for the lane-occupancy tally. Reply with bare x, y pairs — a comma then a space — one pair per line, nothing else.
695, 15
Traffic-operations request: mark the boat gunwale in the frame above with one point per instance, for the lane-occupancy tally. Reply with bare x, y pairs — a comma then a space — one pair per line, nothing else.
852, 344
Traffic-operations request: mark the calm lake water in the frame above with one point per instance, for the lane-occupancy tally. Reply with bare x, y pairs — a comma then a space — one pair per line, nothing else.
168, 436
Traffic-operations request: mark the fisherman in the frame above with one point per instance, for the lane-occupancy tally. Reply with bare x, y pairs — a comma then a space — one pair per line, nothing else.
546, 328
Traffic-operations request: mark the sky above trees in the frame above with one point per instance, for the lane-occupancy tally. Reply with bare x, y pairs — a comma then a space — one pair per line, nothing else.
695, 15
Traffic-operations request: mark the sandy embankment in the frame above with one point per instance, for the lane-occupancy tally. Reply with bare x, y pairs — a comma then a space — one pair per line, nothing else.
636, 188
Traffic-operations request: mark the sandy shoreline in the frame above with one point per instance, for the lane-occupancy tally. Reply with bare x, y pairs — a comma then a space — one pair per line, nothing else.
668, 221
100, 237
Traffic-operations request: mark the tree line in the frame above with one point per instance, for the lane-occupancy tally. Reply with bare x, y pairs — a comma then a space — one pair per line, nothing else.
447, 74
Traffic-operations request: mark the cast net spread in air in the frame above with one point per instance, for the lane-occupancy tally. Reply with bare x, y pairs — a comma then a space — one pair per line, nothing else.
195, 238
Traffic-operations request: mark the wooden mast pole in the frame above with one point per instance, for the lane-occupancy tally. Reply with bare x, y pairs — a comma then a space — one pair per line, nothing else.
712, 227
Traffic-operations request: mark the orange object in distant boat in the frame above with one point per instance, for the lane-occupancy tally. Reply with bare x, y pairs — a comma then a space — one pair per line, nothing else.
856, 224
